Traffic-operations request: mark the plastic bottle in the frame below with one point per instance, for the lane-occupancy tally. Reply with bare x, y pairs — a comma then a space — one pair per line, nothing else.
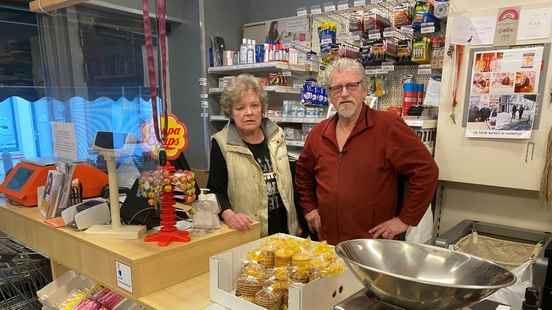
250, 52
243, 52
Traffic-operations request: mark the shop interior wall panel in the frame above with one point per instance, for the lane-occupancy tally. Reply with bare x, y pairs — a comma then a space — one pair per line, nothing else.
500, 163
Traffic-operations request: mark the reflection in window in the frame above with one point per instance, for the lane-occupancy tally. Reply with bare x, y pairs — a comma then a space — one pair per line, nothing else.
84, 65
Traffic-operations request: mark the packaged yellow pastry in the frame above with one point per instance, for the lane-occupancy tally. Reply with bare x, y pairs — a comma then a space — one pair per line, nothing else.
299, 275
268, 298
256, 270
301, 259
282, 257
335, 268
248, 286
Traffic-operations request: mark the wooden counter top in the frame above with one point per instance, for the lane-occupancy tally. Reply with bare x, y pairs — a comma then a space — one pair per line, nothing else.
158, 273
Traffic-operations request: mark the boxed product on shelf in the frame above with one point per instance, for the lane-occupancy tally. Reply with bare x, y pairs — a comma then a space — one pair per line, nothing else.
293, 134
302, 294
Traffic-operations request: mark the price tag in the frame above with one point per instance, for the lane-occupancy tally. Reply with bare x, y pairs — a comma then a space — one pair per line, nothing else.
204, 114
376, 1
301, 12
329, 8
407, 30
286, 73
380, 71
355, 37
343, 6
359, 3
316, 10
326, 41
202, 81
374, 35
204, 96
204, 104
371, 71
424, 69
388, 33
387, 68
427, 28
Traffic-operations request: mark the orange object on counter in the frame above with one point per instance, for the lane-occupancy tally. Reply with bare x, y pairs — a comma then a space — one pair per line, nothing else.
21, 183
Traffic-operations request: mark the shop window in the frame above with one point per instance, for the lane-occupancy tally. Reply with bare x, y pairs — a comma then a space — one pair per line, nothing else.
83, 65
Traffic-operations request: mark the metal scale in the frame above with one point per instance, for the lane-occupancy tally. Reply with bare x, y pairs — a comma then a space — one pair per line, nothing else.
406, 276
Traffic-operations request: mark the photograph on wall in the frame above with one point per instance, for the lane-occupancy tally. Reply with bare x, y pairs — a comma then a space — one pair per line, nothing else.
503, 93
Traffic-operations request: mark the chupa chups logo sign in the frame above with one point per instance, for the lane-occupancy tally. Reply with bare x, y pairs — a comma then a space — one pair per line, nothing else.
177, 137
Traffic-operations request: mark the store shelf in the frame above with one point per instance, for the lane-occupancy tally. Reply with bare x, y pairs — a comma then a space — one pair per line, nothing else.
295, 143
272, 89
297, 120
259, 67
289, 120
422, 123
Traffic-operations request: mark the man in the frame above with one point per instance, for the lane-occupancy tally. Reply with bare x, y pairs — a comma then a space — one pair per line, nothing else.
347, 175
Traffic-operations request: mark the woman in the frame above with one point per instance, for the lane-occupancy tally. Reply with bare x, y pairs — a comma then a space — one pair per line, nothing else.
250, 172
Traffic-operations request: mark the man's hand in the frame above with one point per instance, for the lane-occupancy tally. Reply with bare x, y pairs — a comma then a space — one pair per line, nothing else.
237, 221
313, 220
389, 229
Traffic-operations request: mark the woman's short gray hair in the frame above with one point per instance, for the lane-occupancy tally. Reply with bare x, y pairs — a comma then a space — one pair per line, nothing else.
344, 64
237, 88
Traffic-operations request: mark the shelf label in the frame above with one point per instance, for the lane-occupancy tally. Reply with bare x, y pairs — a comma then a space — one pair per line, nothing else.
343, 6
371, 71
374, 35
407, 30
204, 104
286, 73
387, 68
388, 33
329, 8
376, 1
204, 114
359, 3
316, 10
424, 69
202, 81
427, 28
301, 12
124, 276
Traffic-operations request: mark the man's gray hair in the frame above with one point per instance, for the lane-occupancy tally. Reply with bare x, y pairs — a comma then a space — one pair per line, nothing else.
237, 88
344, 64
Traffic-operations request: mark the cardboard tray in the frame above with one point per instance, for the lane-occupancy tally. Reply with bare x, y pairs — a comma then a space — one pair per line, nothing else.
324, 293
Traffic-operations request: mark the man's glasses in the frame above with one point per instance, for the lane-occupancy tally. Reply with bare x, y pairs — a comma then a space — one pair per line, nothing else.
337, 89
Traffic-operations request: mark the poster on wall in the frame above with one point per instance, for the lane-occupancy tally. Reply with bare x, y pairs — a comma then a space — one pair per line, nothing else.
503, 93
289, 30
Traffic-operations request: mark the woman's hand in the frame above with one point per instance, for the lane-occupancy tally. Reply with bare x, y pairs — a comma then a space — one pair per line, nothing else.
239, 221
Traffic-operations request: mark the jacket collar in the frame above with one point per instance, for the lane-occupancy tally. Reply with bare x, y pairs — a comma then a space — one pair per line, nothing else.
269, 129
365, 121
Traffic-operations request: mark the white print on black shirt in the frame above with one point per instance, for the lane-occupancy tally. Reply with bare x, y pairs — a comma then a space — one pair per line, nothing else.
270, 179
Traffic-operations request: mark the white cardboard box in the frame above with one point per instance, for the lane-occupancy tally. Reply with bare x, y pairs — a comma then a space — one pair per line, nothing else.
324, 293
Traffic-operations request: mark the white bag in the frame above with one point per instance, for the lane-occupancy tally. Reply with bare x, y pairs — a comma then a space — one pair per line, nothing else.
423, 232
515, 294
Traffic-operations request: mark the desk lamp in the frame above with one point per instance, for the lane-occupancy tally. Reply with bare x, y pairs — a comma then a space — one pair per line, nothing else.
110, 145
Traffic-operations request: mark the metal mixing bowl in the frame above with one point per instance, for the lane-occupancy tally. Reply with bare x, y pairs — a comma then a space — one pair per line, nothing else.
422, 277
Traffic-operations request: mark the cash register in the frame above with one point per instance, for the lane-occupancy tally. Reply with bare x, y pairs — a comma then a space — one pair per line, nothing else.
21, 183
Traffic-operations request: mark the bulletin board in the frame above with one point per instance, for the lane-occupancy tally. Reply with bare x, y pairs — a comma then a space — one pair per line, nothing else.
504, 91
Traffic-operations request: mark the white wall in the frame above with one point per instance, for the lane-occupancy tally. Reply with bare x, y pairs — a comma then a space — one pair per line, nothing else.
512, 207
